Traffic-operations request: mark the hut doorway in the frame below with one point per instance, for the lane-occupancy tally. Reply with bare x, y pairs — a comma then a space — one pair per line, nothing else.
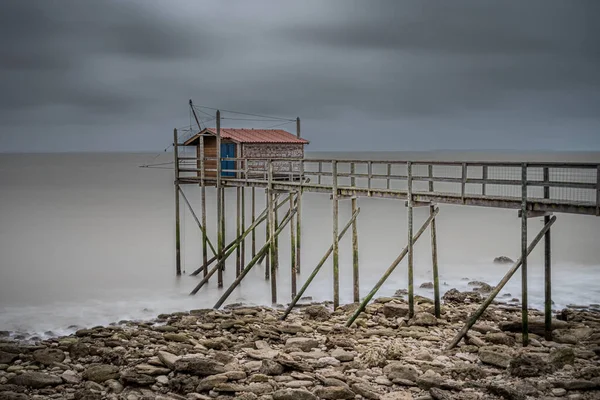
227, 166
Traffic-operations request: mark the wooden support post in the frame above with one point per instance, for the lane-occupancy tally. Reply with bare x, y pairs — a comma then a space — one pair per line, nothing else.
267, 255
463, 182
272, 243
471, 321
203, 205
177, 223
320, 172
411, 294
275, 258
243, 228
220, 200
434, 262
318, 267
369, 173
484, 176
238, 229
547, 266
524, 300
336, 245
288, 217
430, 175
389, 271
293, 247
389, 173
598, 190
253, 201
299, 220
355, 269
298, 126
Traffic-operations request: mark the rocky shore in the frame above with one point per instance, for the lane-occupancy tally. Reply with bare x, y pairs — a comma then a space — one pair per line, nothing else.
247, 353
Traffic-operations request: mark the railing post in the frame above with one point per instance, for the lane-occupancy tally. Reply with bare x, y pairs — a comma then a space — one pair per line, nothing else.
411, 298
370, 173
389, 172
484, 176
430, 175
177, 223
547, 265
463, 182
336, 266
355, 269
524, 302
320, 172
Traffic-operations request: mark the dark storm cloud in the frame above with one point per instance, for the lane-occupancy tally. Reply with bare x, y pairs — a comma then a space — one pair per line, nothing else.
112, 74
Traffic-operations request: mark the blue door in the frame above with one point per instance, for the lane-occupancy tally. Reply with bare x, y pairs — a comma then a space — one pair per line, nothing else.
227, 151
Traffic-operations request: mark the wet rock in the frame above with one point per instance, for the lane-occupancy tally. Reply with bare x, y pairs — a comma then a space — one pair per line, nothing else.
503, 260
7, 358
86, 394
528, 366
535, 325
36, 380
334, 393
210, 382
395, 310
561, 357
176, 337
400, 293
426, 285
101, 372
49, 356
317, 313
399, 372
71, 377
167, 359
365, 390
8, 395
423, 319
270, 367
130, 376
294, 394
453, 296
495, 355
199, 366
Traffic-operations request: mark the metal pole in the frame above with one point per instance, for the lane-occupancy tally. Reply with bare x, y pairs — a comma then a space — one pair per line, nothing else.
177, 223
547, 266
471, 321
318, 267
411, 295
355, 269
524, 302
389, 271
336, 245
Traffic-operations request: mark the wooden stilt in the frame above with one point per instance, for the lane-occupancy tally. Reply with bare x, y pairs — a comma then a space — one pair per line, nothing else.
272, 243
524, 300
253, 206
238, 226
336, 245
471, 321
275, 258
434, 262
254, 260
299, 219
355, 269
411, 298
293, 247
177, 223
203, 206
389, 271
267, 255
243, 228
484, 176
547, 267
220, 201
318, 267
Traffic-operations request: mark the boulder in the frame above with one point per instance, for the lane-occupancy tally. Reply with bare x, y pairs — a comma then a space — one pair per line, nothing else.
429, 380
199, 366
49, 356
495, 355
167, 359
528, 366
561, 357
426, 285
423, 319
457, 297
101, 372
270, 367
7, 358
35, 380
395, 310
400, 372
317, 313
503, 260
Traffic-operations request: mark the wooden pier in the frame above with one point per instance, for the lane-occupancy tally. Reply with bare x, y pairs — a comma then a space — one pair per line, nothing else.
533, 190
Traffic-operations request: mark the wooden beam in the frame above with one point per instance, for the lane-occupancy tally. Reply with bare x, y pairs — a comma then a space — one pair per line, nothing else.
177, 212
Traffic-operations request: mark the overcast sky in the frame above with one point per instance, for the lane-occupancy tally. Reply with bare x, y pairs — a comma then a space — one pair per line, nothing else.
376, 75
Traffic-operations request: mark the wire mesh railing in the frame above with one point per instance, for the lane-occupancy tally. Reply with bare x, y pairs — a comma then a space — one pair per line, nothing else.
565, 183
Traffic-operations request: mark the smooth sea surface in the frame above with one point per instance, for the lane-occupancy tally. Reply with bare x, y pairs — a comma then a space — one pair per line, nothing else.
88, 239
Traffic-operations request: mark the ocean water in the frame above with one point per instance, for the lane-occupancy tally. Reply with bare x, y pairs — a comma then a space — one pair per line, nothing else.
88, 239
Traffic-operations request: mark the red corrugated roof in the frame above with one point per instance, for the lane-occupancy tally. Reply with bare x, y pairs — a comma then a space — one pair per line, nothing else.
242, 135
